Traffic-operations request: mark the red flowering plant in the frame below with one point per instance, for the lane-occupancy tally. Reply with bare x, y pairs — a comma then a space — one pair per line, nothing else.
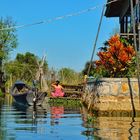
117, 59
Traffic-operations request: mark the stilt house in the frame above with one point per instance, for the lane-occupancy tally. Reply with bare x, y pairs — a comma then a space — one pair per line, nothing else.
122, 10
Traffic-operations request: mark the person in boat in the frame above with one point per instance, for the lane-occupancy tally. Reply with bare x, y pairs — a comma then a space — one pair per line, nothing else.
58, 89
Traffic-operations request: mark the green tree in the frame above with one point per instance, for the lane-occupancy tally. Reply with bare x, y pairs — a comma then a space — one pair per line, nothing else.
92, 69
69, 76
24, 67
8, 41
8, 38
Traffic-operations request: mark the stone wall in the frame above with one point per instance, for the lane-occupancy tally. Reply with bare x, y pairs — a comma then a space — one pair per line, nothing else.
109, 94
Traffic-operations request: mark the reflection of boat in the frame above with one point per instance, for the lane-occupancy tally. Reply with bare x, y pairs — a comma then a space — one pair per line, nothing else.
25, 95
30, 114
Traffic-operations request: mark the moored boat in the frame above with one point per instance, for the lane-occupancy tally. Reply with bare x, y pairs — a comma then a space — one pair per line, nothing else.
25, 95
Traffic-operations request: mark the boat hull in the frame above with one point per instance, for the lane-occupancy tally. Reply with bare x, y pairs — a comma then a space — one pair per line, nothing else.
30, 97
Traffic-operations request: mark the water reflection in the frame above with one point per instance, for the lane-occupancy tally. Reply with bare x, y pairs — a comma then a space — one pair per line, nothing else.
30, 113
30, 119
52, 122
18, 121
59, 122
131, 129
56, 113
111, 127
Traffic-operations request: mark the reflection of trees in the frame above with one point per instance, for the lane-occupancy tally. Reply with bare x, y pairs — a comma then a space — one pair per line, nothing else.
2, 132
4, 118
88, 124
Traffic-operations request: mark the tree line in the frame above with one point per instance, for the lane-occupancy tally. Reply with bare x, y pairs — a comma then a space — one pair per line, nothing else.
117, 58
25, 66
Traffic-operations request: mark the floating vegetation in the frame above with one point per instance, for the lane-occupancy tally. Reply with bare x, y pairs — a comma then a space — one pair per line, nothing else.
64, 101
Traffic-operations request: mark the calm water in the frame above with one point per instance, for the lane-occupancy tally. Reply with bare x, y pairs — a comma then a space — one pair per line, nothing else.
51, 122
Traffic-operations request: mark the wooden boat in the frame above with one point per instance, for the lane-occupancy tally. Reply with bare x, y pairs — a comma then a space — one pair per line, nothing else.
25, 95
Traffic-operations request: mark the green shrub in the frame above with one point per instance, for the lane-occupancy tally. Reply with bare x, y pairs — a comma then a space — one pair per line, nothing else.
1, 93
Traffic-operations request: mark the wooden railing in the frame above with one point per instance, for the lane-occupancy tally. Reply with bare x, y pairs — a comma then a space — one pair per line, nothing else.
73, 90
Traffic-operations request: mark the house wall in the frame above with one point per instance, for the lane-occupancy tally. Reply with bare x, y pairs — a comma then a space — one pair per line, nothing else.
109, 94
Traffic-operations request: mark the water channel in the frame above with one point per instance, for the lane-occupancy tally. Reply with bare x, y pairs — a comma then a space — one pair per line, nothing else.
61, 122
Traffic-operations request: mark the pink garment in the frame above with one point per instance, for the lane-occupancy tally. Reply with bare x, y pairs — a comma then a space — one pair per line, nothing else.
58, 92
57, 111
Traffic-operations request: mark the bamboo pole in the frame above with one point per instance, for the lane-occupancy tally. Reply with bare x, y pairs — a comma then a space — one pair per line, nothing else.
94, 47
136, 48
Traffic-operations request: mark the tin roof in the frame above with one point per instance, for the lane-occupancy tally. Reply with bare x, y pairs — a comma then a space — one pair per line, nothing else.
117, 8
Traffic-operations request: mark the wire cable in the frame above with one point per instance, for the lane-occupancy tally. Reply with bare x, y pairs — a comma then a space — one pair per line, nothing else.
59, 17
52, 19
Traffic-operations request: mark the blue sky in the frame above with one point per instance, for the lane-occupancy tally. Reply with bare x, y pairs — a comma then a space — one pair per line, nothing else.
67, 42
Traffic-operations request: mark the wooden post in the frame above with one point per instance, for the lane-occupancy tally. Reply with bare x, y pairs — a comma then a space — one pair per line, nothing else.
135, 45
